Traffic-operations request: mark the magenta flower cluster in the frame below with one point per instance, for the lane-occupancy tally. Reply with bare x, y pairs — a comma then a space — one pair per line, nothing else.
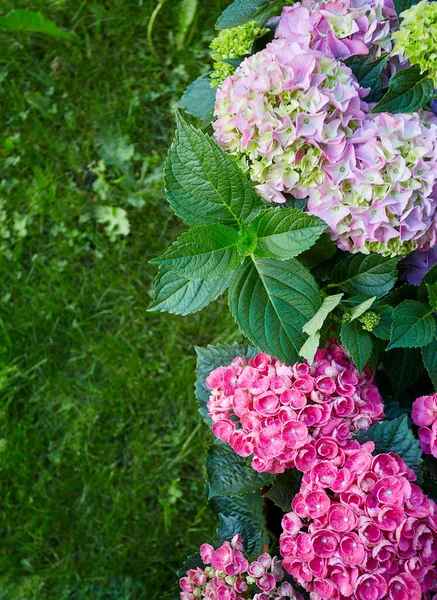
381, 195
424, 415
230, 576
292, 416
362, 530
340, 28
284, 111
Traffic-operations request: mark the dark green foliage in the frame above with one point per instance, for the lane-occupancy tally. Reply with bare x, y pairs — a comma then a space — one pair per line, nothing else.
199, 99
230, 475
285, 487
369, 275
403, 366
408, 91
243, 515
395, 436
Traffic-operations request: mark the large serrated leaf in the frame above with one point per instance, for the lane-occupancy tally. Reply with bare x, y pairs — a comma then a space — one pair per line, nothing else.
231, 475
204, 185
394, 436
285, 233
205, 252
413, 325
370, 275
285, 487
357, 342
243, 515
199, 99
178, 295
271, 301
242, 11
408, 91
35, 22
368, 73
210, 358
429, 354
403, 367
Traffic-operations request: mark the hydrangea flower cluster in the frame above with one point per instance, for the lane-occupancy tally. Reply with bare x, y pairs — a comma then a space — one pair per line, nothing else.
340, 28
418, 264
381, 196
283, 112
416, 37
231, 577
424, 414
231, 44
292, 416
361, 531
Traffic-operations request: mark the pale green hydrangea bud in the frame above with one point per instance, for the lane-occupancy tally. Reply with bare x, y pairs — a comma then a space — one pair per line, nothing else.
346, 318
369, 320
392, 248
417, 35
231, 44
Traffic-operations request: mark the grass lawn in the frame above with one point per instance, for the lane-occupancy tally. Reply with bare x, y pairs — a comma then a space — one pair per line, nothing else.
101, 446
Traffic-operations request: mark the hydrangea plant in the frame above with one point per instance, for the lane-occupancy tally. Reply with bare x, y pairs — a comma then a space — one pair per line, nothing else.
306, 176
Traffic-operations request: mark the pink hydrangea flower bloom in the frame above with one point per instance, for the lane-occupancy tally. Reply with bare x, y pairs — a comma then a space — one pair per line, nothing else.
381, 195
294, 416
373, 538
424, 414
284, 111
340, 29
228, 575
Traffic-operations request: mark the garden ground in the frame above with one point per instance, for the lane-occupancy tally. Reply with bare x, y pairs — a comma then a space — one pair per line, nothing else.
100, 441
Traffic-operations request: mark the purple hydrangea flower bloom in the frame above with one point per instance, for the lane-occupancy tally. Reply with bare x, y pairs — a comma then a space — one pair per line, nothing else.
418, 264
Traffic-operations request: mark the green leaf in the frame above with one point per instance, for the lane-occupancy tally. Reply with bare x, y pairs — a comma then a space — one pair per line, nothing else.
432, 294
285, 232
392, 409
204, 185
192, 562
394, 436
368, 73
370, 275
284, 489
243, 515
382, 330
401, 5
315, 324
323, 250
429, 354
186, 13
210, 358
429, 279
357, 342
242, 11
35, 22
360, 309
403, 366
401, 293
199, 99
205, 252
374, 359
271, 301
309, 349
178, 295
408, 91
231, 475
413, 325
